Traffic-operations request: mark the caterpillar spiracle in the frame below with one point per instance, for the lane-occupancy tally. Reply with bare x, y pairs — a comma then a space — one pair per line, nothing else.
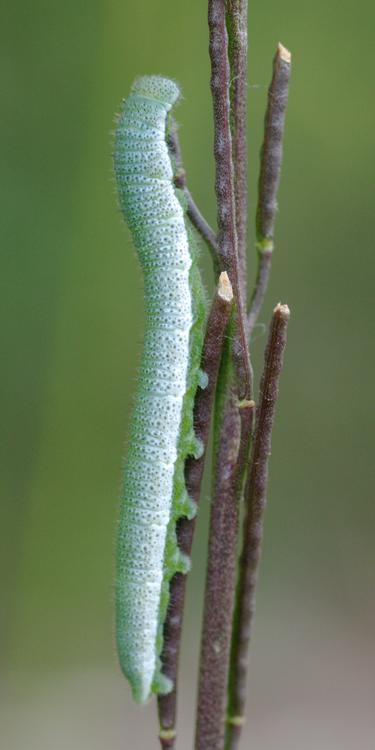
154, 495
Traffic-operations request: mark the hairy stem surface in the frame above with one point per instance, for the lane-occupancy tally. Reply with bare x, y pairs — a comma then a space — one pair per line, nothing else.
269, 177
224, 183
230, 448
237, 38
233, 409
255, 499
211, 355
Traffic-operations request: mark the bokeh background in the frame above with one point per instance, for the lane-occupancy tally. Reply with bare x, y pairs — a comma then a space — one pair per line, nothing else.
72, 321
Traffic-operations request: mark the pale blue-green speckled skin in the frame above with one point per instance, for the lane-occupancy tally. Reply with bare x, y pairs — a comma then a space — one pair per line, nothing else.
161, 436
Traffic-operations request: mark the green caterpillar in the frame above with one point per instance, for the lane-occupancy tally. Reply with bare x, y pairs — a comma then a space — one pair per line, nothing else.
161, 437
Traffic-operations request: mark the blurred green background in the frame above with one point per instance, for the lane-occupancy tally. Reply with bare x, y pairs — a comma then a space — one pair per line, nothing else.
72, 321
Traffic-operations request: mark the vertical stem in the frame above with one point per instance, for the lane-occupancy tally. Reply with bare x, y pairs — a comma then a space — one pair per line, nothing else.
219, 594
269, 177
222, 536
233, 414
224, 183
255, 498
272, 149
211, 355
237, 36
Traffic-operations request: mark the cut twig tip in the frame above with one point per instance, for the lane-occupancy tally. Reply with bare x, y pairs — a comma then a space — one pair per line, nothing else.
224, 289
282, 311
246, 404
269, 176
283, 53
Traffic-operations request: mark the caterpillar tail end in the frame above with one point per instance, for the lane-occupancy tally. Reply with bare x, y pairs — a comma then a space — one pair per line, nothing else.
143, 690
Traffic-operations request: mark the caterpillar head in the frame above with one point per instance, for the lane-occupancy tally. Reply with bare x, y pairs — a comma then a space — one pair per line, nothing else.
156, 87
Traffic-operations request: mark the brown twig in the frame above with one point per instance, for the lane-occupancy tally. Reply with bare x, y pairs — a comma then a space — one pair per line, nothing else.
255, 499
233, 425
211, 355
210, 722
220, 580
269, 176
237, 39
224, 183
193, 212
260, 288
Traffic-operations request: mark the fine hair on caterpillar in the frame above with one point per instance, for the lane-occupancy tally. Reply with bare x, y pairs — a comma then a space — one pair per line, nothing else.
153, 495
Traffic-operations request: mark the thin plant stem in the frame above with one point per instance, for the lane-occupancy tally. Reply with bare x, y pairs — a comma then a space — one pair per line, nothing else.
255, 501
224, 184
193, 212
220, 578
211, 356
260, 288
237, 49
234, 411
269, 177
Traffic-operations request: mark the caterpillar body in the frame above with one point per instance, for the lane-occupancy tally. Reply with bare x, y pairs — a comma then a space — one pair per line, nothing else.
154, 495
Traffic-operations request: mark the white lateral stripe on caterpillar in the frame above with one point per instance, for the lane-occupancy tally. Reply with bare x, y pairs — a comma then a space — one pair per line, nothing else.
147, 558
